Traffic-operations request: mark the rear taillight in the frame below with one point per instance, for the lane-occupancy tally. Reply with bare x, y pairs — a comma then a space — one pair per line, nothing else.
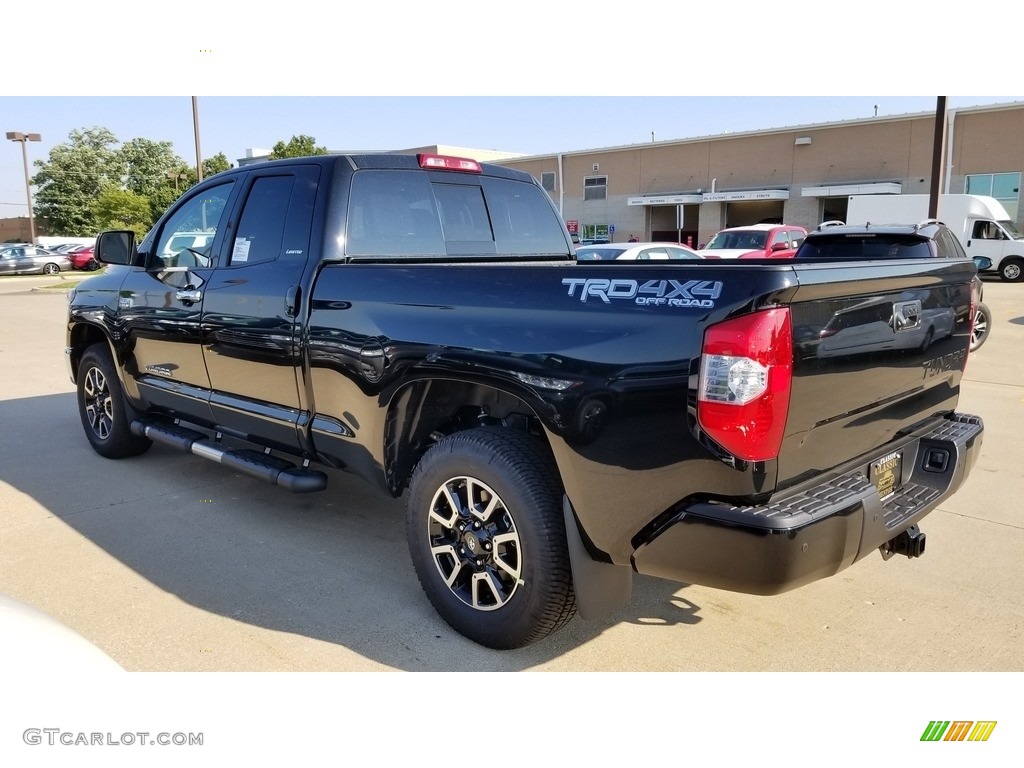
746, 373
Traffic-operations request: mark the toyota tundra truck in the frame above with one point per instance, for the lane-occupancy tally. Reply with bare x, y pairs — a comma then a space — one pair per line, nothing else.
421, 322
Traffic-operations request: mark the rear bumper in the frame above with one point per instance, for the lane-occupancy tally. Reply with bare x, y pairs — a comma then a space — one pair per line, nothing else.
816, 530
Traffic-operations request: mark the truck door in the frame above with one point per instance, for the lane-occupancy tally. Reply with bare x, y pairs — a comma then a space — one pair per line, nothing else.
985, 238
250, 308
160, 307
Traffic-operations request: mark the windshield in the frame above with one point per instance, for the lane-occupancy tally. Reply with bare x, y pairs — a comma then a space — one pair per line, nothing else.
735, 240
1011, 229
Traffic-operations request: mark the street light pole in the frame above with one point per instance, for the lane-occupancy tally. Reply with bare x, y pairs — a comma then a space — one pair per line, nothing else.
24, 138
176, 177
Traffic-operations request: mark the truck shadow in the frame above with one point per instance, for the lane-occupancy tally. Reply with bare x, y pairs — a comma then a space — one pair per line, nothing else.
331, 566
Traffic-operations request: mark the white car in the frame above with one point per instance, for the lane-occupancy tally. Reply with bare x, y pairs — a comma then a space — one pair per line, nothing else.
31, 639
635, 252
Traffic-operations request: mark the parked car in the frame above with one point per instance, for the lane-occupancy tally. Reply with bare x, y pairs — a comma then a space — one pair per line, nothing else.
756, 241
195, 243
32, 260
982, 314
634, 252
30, 638
82, 257
917, 318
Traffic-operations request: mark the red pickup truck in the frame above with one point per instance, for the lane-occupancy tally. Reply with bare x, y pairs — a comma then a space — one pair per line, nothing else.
755, 241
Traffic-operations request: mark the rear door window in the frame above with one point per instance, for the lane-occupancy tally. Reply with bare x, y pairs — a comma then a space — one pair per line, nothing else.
261, 228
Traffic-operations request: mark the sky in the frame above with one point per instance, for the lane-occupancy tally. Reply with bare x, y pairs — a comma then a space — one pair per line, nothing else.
528, 125
532, 78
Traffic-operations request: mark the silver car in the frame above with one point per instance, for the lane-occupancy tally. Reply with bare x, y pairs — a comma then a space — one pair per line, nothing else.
32, 260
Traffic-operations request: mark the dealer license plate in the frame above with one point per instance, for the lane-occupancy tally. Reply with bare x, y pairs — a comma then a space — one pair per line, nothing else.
887, 473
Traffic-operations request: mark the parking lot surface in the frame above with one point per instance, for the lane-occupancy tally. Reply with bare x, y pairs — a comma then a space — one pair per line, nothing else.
168, 562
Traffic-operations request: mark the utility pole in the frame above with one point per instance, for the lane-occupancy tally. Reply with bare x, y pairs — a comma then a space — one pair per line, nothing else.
937, 147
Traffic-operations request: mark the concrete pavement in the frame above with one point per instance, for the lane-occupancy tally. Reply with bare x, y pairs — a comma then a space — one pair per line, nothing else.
170, 562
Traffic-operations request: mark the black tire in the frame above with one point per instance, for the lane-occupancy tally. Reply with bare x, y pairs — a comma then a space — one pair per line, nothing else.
927, 340
517, 587
93, 265
51, 269
982, 325
1012, 270
106, 415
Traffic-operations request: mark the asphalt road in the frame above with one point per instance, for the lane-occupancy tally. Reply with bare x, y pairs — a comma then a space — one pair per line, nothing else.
171, 563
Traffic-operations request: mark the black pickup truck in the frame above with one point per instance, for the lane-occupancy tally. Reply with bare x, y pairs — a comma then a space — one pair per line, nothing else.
421, 321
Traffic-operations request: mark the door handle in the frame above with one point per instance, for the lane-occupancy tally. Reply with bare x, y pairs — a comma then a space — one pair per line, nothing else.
190, 296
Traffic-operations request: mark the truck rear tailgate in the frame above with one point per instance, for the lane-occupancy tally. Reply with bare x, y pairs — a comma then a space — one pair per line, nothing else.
874, 359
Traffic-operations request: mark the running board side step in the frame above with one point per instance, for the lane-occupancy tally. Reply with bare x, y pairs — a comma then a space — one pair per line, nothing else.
262, 466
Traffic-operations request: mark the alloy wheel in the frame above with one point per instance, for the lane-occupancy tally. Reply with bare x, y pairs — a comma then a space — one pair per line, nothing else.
474, 543
99, 408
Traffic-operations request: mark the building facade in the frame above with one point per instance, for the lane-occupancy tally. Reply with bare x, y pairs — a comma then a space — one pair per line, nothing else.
16, 229
687, 190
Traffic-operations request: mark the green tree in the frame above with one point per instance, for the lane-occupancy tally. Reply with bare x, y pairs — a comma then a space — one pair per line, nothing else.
216, 164
297, 146
148, 164
153, 171
116, 208
77, 184
69, 182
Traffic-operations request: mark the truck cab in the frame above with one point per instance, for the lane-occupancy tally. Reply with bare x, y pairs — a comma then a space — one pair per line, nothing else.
999, 241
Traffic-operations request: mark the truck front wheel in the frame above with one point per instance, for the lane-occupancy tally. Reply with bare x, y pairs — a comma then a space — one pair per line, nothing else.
487, 537
106, 415
1012, 270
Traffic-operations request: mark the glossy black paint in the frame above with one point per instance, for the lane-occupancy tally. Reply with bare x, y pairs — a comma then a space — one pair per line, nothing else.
362, 364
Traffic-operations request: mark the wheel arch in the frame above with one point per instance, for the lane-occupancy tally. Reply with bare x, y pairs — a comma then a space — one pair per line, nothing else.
80, 338
83, 335
425, 410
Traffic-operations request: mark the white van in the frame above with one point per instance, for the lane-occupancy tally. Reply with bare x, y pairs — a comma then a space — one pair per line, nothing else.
195, 242
980, 223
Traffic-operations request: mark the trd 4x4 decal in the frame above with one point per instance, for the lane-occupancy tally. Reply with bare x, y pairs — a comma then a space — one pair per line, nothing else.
669, 293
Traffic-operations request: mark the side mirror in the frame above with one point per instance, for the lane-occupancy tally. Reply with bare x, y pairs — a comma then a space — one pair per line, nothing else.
115, 247
779, 246
982, 263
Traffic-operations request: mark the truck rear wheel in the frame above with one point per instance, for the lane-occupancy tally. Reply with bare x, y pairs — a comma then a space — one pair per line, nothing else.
1012, 270
106, 415
981, 327
487, 537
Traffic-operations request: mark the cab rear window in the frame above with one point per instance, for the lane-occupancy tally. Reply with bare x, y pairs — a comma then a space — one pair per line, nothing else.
403, 214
